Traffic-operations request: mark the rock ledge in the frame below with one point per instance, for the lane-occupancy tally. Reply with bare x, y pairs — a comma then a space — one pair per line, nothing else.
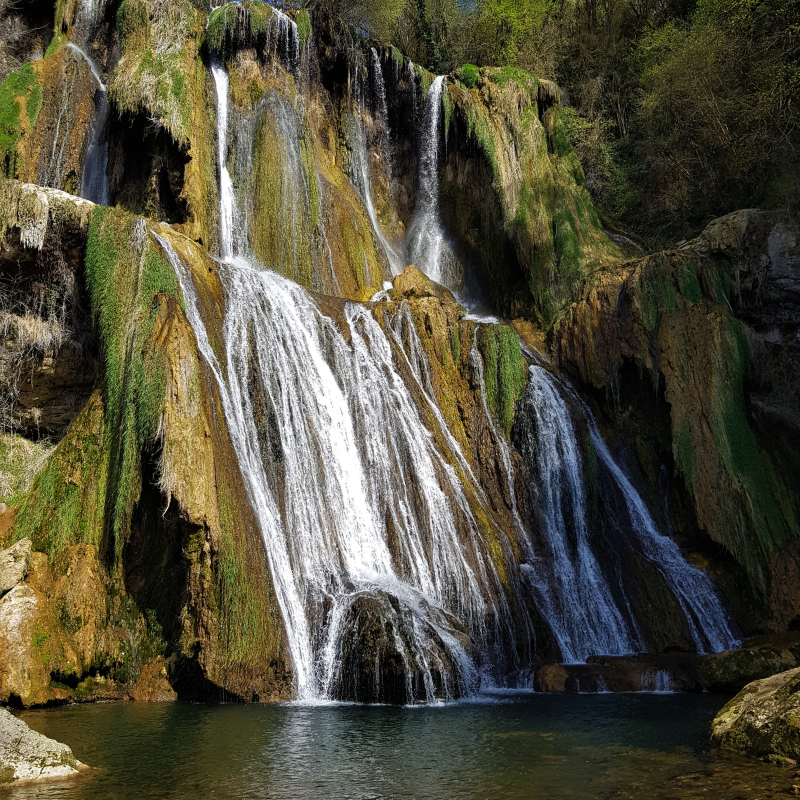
27, 756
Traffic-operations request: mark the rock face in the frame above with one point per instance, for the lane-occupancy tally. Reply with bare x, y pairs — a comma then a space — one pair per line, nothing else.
28, 756
763, 719
24, 676
14, 564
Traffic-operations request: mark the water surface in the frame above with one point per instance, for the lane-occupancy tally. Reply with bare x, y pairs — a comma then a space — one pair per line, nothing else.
534, 746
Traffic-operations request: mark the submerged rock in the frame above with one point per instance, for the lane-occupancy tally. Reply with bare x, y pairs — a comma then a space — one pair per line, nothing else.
763, 719
14, 565
26, 755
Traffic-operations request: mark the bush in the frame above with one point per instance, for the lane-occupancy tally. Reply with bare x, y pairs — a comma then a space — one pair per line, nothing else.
469, 75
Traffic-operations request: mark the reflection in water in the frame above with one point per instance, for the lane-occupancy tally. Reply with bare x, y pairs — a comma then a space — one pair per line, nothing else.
534, 746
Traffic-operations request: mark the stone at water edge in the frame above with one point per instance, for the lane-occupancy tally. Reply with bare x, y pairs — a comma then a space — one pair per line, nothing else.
28, 756
763, 720
14, 565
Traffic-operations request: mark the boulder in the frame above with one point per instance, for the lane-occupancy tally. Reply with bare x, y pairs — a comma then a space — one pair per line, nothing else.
26, 755
763, 720
395, 652
14, 565
551, 678
413, 283
24, 647
731, 670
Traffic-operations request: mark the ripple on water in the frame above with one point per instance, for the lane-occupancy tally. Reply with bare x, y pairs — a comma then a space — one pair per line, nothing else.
509, 746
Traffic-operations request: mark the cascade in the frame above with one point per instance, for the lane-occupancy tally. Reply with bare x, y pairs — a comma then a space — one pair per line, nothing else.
566, 579
227, 198
411, 77
427, 244
572, 587
350, 452
359, 175
363, 516
94, 180
348, 458
379, 89
706, 618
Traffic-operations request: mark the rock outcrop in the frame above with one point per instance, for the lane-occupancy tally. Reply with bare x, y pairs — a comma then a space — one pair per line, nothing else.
14, 564
763, 720
28, 756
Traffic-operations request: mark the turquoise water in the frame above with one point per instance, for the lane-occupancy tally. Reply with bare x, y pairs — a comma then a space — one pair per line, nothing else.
534, 746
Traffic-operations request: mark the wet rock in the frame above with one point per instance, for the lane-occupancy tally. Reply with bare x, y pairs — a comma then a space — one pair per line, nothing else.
26, 755
14, 565
732, 670
551, 678
391, 654
671, 672
763, 720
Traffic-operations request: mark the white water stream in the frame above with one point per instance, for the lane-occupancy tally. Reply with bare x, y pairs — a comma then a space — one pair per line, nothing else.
360, 509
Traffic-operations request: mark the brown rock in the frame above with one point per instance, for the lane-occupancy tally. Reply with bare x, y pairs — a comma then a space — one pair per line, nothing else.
152, 685
413, 283
763, 719
80, 598
551, 678
14, 564
24, 646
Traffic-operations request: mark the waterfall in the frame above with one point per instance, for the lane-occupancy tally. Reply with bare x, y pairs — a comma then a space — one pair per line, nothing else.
359, 175
412, 83
427, 244
227, 199
359, 511
566, 579
370, 514
379, 88
569, 583
708, 623
346, 451
94, 180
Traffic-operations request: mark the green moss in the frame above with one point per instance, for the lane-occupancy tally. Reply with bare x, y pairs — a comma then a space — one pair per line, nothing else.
151, 75
59, 39
504, 75
303, 26
505, 371
65, 504
285, 192
469, 75
767, 509
479, 129
125, 273
133, 19
17, 87
243, 24
655, 291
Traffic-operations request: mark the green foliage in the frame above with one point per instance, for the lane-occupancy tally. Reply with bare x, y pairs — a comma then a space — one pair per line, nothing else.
18, 86
469, 75
125, 273
151, 76
59, 39
65, 504
245, 24
504, 75
505, 371
20, 460
303, 26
